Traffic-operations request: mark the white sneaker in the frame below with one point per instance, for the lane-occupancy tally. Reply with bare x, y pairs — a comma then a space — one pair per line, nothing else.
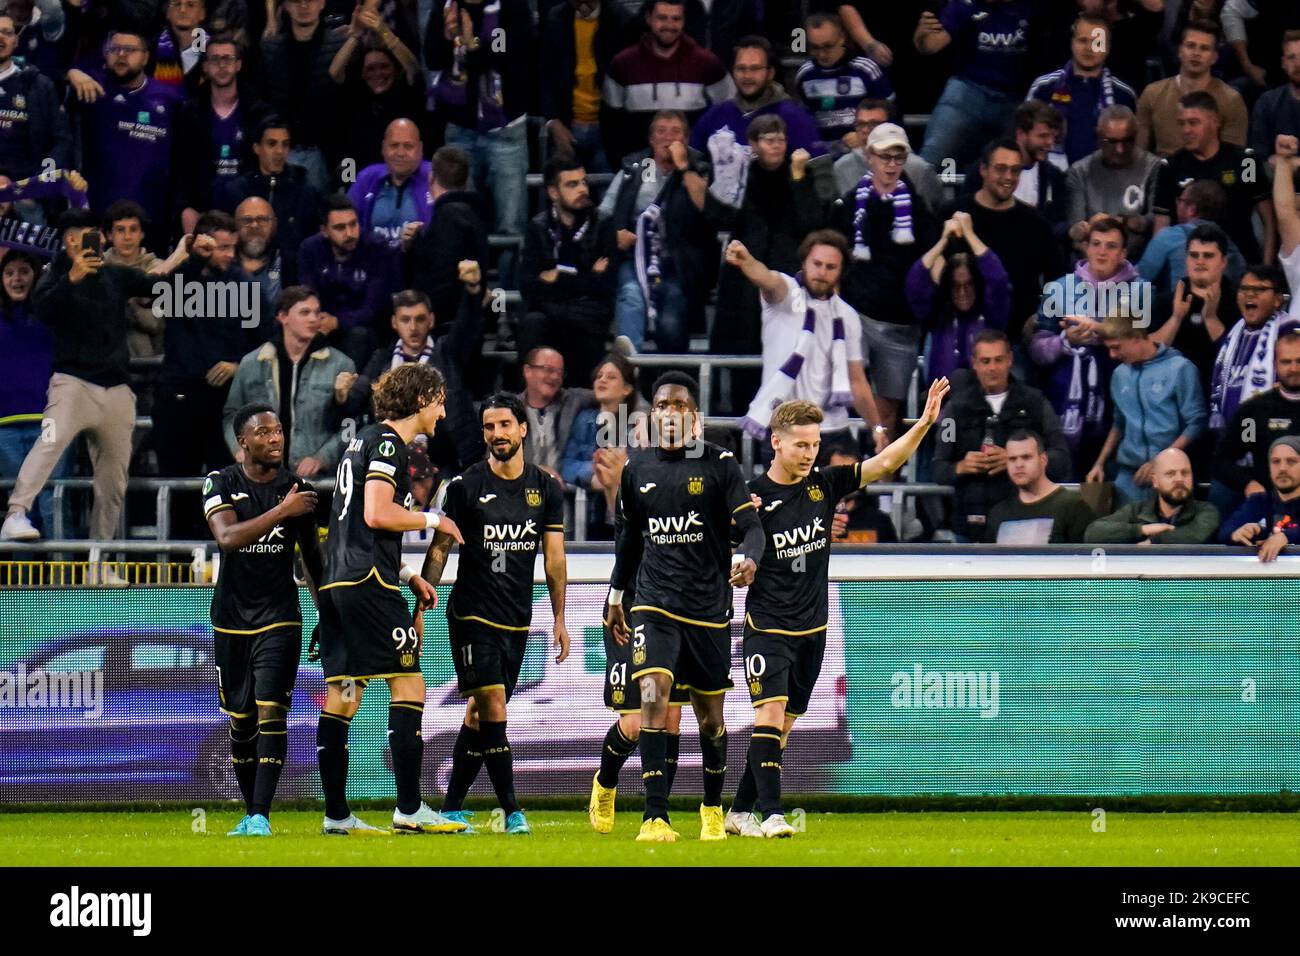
103, 575
425, 820
742, 824
352, 826
18, 527
777, 827
624, 346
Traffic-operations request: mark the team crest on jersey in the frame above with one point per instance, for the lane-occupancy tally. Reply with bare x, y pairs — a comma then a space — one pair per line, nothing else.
533, 496
408, 660
755, 688
695, 485
638, 656
815, 493
20, 102
617, 697
387, 448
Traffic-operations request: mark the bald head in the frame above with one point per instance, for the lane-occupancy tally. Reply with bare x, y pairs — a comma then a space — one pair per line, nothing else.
256, 221
1171, 477
402, 149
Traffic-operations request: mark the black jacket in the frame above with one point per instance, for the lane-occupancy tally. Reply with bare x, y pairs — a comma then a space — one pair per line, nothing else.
458, 441
1265, 418
515, 62
296, 204
690, 240
193, 344
88, 319
318, 125
875, 288
1024, 408
458, 230
48, 133
588, 291
557, 80
193, 181
1053, 201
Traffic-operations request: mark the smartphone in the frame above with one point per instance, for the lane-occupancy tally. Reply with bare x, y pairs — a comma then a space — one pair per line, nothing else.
91, 240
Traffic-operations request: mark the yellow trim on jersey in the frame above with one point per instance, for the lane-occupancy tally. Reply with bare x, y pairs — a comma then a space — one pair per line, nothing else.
418, 708
763, 630
739, 508
338, 717
272, 733
374, 572
768, 700
617, 711
271, 703
380, 474
652, 670
475, 690
483, 620
677, 617
365, 677
790, 713
770, 736
251, 713
707, 693
260, 630
221, 507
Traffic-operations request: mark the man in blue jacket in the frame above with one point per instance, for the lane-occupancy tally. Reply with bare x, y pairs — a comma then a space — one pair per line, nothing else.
1271, 520
1156, 394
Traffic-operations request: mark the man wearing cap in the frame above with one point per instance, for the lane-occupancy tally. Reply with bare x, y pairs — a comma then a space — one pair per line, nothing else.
887, 232
1270, 521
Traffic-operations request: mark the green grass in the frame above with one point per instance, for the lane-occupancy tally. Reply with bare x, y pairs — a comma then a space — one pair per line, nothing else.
563, 838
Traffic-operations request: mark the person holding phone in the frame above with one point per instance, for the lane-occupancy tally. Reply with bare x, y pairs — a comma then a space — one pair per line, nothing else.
84, 302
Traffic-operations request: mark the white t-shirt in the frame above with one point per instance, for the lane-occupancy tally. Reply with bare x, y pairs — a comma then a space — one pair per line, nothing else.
1027, 190
781, 328
996, 402
1291, 267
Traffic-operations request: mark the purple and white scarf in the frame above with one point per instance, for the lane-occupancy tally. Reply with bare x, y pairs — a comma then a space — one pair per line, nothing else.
649, 257
555, 228
779, 387
401, 358
1242, 368
901, 198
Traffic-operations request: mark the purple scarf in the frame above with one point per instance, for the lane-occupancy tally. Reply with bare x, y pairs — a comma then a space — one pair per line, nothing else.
451, 87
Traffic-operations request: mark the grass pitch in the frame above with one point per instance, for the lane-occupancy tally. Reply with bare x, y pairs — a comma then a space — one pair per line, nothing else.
563, 838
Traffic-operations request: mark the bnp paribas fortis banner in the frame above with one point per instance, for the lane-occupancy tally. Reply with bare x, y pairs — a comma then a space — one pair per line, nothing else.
951, 687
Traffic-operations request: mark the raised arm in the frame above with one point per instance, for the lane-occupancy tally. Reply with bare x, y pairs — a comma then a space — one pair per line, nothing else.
771, 285
1288, 219
896, 454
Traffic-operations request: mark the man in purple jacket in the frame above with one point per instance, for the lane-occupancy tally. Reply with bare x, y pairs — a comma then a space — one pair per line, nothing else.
394, 194
354, 276
757, 93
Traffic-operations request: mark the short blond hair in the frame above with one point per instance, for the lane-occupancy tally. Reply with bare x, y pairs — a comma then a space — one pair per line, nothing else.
794, 413
1120, 326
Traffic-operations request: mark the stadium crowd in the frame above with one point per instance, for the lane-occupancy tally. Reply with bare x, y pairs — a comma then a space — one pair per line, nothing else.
1091, 227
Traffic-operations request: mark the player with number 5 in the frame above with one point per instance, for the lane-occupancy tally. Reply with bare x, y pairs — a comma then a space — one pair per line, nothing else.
367, 631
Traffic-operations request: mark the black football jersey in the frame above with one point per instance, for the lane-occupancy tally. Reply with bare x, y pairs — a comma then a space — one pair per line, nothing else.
683, 509
503, 523
788, 595
255, 587
354, 549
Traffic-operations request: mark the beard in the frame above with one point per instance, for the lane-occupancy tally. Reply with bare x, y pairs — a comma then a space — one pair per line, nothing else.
1175, 497
506, 453
254, 248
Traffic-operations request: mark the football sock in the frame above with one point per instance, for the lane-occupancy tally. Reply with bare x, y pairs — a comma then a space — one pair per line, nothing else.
243, 757
499, 763
272, 747
466, 761
406, 745
654, 774
332, 755
613, 754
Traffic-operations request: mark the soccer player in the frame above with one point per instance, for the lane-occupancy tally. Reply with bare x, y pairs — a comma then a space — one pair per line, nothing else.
678, 500
508, 511
257, 511
786, 609
366, 630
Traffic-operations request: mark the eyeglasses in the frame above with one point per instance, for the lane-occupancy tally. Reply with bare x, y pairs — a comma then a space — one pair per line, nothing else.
123, 50
773, 139
254, 220
891, 159
224, 59
1255, 289
1001, 170
7, 32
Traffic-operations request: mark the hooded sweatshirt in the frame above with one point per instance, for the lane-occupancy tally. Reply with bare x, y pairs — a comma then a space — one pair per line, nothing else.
1156, 402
